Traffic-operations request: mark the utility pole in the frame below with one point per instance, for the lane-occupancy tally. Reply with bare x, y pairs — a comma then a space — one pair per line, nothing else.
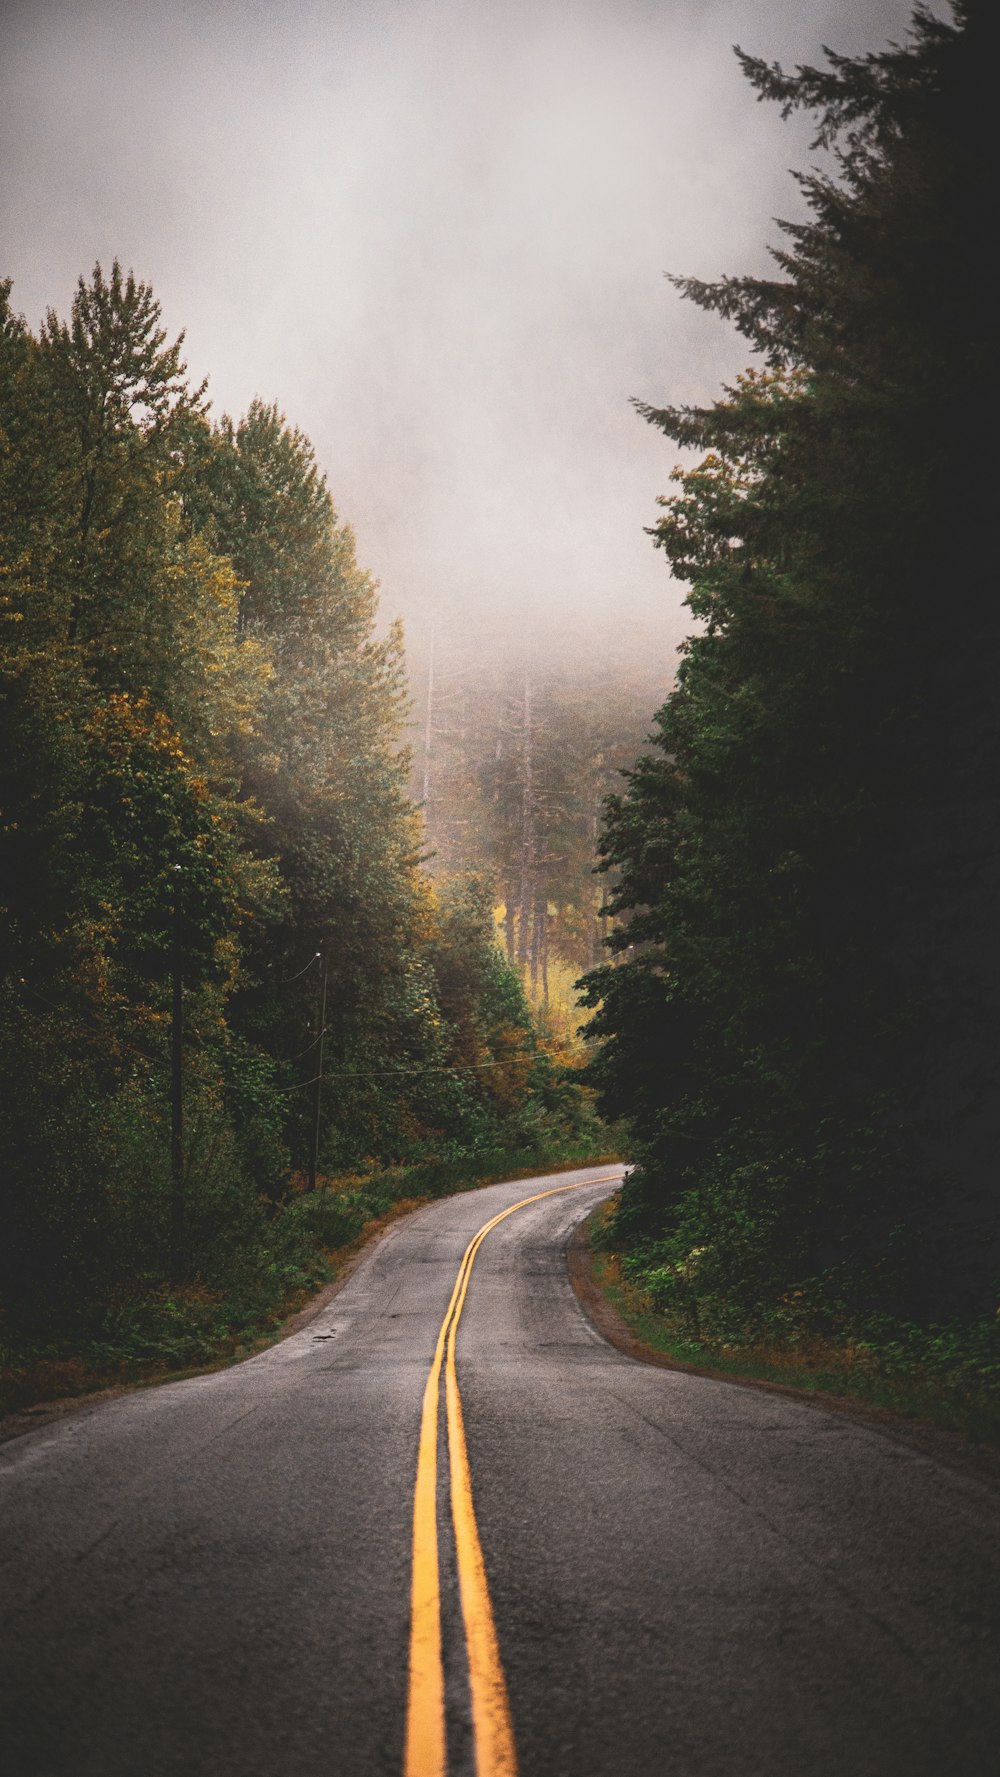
176, 1090
314, 1150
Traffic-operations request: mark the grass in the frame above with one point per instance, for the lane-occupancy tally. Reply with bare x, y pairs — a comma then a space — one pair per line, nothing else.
944, 1377
168, 1331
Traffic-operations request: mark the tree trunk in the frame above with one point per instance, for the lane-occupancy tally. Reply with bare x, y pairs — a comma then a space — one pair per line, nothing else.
525, 921
429, 737
509, 923
591, 929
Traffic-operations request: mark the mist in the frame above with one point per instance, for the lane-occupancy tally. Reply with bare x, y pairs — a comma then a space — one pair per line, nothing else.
436, 234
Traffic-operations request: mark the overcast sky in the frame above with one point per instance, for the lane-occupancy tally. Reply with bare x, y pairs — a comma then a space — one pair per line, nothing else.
435, 231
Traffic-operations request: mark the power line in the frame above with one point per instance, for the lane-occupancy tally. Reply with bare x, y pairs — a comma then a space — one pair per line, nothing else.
287, 981
390, 1073
286, 1060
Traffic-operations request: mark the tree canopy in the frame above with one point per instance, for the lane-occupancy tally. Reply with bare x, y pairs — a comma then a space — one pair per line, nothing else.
203, 792
802, 1021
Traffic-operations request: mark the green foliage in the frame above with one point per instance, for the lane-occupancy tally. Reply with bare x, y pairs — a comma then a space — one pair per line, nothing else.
200, 758
802, 1021
946, 1374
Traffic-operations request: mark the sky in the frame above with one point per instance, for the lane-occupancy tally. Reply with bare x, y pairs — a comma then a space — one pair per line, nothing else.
436, 233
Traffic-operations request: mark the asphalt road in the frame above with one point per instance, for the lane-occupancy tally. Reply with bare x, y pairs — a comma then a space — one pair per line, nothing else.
687, 1578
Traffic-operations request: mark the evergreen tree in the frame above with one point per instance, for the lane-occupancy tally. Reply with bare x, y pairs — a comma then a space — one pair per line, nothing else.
203, 818
119, 832
804, 1027
324, 764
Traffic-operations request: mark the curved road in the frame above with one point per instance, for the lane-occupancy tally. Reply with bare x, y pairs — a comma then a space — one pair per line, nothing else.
686, 1578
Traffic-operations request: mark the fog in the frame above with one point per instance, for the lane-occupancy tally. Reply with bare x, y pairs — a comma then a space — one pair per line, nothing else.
435, 231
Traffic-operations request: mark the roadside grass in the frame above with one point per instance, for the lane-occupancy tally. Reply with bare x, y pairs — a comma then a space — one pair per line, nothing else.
164, 1332
945, 1377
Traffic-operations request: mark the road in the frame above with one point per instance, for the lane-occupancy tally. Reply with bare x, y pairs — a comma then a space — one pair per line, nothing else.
679, 1577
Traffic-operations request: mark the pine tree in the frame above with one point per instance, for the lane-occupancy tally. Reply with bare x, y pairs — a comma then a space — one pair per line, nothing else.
801, 1030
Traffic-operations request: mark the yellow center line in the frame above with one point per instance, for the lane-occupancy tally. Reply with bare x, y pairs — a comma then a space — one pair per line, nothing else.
426, 1753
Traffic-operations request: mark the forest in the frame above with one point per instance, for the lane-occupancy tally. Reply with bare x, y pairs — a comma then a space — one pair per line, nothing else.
291, 936
226, 973
800, 1020
514, 757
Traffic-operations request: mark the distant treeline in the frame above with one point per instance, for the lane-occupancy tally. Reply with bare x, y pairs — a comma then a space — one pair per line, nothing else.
804, 1023
513, 762
206, 838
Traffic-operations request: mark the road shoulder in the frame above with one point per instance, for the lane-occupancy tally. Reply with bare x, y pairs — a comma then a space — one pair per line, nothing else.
978, 1461
30, 1419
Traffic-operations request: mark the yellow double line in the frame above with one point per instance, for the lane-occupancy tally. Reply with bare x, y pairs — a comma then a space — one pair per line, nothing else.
426, 1753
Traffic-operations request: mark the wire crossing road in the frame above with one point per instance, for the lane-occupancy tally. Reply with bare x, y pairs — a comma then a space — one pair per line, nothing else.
684, 1578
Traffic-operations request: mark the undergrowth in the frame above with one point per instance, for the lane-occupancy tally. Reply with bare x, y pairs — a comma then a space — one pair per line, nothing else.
943, 1374
165, 1330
